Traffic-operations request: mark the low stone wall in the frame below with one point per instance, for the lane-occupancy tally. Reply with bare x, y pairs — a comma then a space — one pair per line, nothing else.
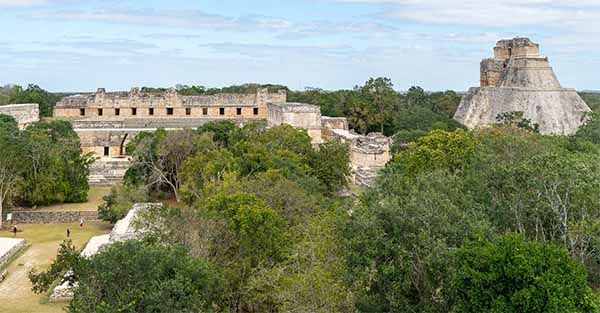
58, 217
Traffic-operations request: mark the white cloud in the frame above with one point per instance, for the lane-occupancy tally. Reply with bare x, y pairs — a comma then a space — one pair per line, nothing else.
21, 3
497, 13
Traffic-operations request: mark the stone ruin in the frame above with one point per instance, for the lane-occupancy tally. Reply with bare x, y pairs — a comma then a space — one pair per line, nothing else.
368, 154
107, 121
24, 114
125, 229
518, 79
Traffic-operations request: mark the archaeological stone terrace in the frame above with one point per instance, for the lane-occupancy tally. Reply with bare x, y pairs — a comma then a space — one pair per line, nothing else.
518, 79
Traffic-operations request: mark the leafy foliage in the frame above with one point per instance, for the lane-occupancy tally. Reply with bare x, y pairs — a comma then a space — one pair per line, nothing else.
118, 202
31, 94
514, 275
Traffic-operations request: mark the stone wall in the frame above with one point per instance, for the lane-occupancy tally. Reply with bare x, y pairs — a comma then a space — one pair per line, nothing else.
25, 114
334, 122
136, 104
300, 115
50, 217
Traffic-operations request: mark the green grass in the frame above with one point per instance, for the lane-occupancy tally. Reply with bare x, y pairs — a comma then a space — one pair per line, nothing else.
94, 200
15, 292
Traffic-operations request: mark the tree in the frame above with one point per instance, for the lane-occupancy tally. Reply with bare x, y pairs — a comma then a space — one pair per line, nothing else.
55, 170
438, 150
254, 237
381, 94
35, 94
10, 159
515, 275
331, 165
159, 157
134, 276
590, 130
400, 240
118, 202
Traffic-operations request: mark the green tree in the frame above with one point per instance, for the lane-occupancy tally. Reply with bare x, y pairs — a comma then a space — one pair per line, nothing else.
55, 170
134, 276
331, 165
118, 202
515, 275
35, 94
254, 236
10, 160
590, 130
400, 239
380, 93
438, 150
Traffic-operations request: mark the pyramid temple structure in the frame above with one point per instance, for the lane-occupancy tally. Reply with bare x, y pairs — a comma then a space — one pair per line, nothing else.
518, 79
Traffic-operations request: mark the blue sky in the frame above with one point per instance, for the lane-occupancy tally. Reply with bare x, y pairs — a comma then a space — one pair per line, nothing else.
73, 45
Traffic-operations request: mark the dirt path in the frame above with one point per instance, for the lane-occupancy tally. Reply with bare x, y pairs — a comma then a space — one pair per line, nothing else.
15, 292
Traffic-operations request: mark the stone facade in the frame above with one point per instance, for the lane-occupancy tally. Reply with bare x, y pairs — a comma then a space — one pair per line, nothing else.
25, 114
106, 121
300, 115
518, 79
52, 217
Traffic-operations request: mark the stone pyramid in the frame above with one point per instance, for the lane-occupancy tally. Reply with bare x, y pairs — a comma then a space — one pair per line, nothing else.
517, 79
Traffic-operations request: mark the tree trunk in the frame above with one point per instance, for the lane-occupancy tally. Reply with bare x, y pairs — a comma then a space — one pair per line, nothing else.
1, 201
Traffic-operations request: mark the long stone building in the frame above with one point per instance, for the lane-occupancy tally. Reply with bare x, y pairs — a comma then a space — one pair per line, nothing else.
107, 121
518, 79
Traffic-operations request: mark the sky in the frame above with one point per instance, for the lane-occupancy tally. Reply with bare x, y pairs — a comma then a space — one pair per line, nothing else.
76, 45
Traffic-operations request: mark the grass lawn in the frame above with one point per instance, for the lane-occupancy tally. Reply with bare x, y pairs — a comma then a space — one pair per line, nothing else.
94, 200
15, 292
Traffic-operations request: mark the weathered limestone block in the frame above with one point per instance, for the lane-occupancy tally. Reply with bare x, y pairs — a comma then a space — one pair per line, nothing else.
519, 80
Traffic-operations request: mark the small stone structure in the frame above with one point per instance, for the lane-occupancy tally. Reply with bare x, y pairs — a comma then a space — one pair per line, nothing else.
9, 247
368, 154
300, 115
125, 229
25, 114
518, 79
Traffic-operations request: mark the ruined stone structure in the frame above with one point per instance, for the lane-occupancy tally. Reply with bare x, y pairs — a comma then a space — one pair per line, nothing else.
368, 154
106, 122
518, 79
25, 114
300, 115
